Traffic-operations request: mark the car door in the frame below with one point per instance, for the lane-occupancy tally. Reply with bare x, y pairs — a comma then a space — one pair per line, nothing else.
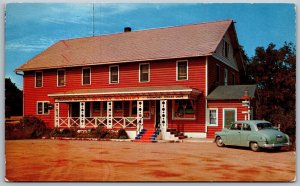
234, 134
246, 131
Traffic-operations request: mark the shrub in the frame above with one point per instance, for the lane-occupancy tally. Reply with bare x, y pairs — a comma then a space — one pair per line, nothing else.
33, 126
122, 134
30, 127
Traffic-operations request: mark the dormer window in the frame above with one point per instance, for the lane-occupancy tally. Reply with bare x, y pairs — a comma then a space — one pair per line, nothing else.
225, 49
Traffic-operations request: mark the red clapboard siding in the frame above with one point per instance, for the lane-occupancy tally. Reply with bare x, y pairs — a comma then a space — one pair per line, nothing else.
212, 74
221, 104
161, 73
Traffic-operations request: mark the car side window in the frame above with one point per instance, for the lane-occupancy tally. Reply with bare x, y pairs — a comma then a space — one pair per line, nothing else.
236, 126
246, 127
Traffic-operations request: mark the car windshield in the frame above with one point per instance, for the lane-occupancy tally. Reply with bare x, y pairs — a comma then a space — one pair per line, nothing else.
261, 126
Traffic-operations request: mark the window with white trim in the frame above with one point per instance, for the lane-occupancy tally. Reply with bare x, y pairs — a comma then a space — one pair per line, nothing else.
61, 77
184, 109
86, 76
114, 74
233, 78
182, 70
39, 79
144, 72
225, 48
42, 107
213, 116
225, 76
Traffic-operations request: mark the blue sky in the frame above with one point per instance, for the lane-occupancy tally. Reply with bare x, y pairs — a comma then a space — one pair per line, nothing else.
31, 28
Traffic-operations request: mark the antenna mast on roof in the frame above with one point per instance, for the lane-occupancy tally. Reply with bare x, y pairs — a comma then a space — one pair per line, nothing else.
93, 19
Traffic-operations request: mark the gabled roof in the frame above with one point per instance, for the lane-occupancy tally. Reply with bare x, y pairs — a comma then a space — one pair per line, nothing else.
231, 92
164, 43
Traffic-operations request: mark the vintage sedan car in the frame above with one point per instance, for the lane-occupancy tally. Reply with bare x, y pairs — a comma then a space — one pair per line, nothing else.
255, 134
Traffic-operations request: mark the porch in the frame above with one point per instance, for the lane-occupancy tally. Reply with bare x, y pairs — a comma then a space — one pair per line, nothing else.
131, 108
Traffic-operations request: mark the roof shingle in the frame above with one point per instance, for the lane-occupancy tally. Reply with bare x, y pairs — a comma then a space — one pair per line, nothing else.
164, 43
231, 92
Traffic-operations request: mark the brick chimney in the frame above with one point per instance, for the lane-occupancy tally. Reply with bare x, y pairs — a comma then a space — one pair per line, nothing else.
127, 29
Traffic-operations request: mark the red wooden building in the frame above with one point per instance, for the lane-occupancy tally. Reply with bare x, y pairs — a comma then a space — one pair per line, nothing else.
167, 78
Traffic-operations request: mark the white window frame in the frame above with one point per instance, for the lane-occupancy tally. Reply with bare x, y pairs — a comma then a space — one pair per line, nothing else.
217, 117
64, 70
42, 79
187, 70
110, 74
37, 107
225, 43
225, 76
141, 72
84, 68
173, 113
233, 78
224, 109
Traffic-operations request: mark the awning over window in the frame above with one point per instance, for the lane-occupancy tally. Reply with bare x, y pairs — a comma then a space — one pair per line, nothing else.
131, 93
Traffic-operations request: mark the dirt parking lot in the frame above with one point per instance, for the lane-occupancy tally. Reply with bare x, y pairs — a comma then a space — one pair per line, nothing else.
61, 160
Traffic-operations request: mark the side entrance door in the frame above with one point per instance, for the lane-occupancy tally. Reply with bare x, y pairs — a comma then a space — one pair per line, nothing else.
229, 116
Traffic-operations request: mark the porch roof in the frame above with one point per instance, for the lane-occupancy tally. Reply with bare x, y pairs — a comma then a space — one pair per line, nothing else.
231, 92
149, 90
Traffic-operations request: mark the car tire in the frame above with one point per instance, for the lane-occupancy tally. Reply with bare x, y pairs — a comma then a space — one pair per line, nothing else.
254, 147
277, 148
219, 142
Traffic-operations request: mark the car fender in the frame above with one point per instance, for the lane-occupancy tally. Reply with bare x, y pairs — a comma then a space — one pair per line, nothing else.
260, 139
222, 135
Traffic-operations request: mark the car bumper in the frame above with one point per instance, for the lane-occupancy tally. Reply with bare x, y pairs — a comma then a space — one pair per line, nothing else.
276, 145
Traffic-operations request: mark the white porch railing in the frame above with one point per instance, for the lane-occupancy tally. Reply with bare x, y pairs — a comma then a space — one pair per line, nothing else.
118, 122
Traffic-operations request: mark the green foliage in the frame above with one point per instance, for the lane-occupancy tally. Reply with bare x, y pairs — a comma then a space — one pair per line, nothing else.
13, 99
274, 71
30, 127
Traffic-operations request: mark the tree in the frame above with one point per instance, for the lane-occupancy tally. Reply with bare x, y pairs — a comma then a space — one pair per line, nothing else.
13, 99
274, 72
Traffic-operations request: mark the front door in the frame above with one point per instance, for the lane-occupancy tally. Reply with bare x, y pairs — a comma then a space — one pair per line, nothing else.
157, 114
229, 117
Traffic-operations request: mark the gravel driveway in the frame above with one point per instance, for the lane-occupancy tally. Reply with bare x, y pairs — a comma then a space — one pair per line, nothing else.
72, 160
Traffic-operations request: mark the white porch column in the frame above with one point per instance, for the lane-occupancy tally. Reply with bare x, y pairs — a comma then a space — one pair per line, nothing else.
140, 113
163, 115
56, 114
109, 114
82, 114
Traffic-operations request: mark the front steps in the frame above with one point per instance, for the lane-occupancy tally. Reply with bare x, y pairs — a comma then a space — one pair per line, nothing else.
177, 134
147, 136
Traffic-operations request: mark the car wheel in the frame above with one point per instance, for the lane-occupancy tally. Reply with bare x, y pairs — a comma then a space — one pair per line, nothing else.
277, 148
219, 142
254, 146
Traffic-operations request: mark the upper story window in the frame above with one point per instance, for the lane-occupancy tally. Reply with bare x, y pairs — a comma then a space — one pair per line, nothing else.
225, 48
114, 74
233, 78
182, 70
42, 107
39, 79
225, 76
86, 76
144, 72
61, 77
218, 73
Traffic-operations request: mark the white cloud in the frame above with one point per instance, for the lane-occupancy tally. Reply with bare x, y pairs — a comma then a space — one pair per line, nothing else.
28, 44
